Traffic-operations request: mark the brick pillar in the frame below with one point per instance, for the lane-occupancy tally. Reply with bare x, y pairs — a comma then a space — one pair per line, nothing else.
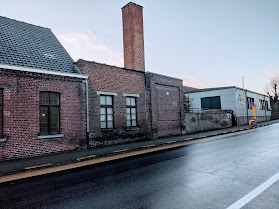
133, 37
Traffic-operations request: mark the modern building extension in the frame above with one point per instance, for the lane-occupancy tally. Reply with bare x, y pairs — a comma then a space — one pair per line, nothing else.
238, 100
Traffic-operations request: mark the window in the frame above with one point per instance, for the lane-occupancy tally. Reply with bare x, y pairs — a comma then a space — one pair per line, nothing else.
49, 113
131, 111
263, 104
211, 103
266, 105
250, 102
106, 111
1, 112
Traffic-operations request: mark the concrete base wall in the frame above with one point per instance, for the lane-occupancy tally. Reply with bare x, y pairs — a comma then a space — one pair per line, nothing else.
242, 120
197, 122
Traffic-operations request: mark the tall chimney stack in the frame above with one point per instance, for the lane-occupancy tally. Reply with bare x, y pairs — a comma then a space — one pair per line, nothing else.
133, 37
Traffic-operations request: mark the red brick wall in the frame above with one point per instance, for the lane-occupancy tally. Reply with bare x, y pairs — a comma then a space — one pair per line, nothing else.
133, 37
21, 114
165, 97
105, 78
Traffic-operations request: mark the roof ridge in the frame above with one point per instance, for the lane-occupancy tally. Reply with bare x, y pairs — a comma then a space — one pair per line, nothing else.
24, 22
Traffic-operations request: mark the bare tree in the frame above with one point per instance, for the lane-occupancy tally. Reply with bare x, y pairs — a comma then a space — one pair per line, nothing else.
271, 89
188, 103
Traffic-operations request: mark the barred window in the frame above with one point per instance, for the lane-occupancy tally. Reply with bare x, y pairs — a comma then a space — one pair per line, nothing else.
1, 112
131, 111
106, 111
49, 113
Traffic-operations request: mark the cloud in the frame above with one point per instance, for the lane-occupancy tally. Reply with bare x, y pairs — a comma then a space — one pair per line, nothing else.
267, 73
193, 82
86, 46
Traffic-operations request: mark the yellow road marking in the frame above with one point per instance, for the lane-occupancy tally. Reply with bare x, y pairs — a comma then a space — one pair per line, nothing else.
123, 150
90, 156
39, 172
38, 166
187, 139
152, 145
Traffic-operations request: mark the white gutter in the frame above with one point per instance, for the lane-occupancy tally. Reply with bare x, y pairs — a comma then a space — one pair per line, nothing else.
36, 70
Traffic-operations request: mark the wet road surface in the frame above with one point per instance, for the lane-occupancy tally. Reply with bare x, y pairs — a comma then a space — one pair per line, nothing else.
213, 174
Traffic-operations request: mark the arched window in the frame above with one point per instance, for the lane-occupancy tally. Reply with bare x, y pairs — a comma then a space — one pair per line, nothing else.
49, 113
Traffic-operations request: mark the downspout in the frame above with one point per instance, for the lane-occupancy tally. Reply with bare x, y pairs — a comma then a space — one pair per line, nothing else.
87, 113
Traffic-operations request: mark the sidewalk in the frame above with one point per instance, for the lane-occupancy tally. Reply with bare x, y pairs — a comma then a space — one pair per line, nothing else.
65, 158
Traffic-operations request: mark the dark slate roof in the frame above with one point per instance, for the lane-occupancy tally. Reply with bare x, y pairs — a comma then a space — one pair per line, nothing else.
27, 45
188, 88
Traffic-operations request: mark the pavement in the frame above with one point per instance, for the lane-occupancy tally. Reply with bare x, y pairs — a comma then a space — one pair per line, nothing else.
80, 157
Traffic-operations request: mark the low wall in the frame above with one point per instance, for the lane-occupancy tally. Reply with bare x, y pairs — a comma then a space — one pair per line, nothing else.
197, 122
242, 120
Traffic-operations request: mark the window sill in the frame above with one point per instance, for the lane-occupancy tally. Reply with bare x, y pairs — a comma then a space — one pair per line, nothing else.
2, 140
135, 128
51, 136
105, 130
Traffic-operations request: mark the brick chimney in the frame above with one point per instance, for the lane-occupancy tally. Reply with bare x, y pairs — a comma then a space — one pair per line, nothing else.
133, 37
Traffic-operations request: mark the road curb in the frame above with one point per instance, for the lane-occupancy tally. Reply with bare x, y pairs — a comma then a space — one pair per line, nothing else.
120, 152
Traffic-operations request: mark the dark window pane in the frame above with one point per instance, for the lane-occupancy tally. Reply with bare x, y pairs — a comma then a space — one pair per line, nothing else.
54, 99
43, 119
211, 102
215, 103
44, 98
205, 102
54, 119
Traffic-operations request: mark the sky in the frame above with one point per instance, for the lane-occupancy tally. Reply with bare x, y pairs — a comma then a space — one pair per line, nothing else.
207, 43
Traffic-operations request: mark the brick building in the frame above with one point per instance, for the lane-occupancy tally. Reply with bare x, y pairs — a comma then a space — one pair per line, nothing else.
42, 93
127, 104
50, 104
117, 103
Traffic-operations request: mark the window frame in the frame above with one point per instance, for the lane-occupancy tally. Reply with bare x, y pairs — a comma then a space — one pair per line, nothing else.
106, 107
130, 107
49, 115
2, 113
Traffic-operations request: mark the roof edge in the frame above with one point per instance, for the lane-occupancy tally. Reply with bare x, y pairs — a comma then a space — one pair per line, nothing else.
220, 88
43, 71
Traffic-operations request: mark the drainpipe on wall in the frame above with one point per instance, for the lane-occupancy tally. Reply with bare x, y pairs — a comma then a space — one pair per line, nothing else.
87, 114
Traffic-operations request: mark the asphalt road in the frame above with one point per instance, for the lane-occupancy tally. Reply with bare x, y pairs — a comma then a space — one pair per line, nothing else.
214, 174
